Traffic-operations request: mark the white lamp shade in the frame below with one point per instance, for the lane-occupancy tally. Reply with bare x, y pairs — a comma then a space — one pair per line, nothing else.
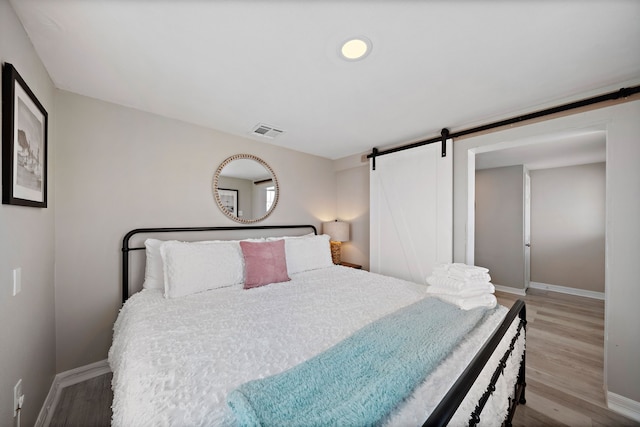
338, 231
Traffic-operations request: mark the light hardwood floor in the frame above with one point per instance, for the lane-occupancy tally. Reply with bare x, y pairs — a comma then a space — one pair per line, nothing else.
565, 351
565, 341
86, 404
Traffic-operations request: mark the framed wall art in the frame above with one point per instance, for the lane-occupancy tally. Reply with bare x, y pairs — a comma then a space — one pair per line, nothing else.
24, 143
229, 199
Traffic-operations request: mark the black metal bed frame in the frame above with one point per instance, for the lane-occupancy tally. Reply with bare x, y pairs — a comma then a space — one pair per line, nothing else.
447, 407
126, 248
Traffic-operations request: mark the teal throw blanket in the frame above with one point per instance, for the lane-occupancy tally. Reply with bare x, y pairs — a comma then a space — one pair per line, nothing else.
361, 379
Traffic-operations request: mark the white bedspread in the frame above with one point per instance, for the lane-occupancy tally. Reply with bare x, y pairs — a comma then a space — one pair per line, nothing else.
175, 360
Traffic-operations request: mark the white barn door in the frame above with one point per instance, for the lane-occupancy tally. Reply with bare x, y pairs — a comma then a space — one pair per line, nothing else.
411, 212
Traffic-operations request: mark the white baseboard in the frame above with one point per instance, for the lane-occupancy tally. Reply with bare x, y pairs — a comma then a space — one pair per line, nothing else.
510, 290
65, 379
624, 406
567, 290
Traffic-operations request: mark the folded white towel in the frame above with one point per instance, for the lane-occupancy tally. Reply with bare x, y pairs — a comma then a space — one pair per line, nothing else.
480, 289
478, 277
468, 269
487, 300
455, 284
462, 272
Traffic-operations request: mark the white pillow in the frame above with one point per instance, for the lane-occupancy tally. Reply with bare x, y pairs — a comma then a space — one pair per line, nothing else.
154, 268
307, 253
290, 237
196, 267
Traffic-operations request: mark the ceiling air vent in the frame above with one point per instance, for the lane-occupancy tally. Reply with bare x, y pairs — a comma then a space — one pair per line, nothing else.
266, 131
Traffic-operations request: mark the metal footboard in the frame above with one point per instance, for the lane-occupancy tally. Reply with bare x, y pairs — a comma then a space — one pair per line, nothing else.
447, 407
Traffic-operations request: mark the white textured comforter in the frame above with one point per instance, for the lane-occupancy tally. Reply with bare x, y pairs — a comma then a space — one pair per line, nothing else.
175, 360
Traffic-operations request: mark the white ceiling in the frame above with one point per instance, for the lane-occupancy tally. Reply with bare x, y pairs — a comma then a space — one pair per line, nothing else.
552, 151
230, 65
245, 169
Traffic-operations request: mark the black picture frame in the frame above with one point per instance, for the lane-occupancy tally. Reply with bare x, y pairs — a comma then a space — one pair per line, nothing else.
24, 143
229, 199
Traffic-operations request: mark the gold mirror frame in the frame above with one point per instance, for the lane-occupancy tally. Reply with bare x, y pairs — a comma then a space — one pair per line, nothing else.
216, 195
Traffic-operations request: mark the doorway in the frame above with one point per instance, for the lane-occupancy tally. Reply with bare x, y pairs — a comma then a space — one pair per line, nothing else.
549, 343
622, 210
499, 219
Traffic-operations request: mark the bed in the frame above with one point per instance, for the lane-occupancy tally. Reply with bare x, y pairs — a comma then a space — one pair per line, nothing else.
181, 354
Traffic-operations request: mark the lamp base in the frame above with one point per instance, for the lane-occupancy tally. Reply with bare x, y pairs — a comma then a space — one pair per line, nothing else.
335, 252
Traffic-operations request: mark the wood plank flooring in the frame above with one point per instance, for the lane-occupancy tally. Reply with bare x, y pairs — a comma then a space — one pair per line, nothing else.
86, 404
565, 352
565, 346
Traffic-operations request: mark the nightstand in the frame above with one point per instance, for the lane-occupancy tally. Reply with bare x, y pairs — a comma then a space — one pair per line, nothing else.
348, 264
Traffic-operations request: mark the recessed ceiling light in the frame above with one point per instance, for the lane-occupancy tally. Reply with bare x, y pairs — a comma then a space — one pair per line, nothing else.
355, 49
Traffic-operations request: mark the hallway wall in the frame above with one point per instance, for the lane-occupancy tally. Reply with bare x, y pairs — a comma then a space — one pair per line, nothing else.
499, 242
568, 226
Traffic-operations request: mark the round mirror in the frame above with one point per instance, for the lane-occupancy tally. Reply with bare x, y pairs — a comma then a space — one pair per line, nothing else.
245, 188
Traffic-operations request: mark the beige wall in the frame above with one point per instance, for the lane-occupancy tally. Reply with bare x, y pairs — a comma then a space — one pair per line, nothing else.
568, 226
27, 334
622, 342
352, 205
121, 169
499, 240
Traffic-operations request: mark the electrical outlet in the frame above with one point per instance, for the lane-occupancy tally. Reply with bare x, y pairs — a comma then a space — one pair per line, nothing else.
18, 397
17, 281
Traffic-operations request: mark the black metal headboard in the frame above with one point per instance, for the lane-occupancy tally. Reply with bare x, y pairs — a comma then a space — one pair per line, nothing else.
126, 248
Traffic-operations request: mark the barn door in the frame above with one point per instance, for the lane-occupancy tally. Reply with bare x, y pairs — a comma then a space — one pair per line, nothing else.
411, 224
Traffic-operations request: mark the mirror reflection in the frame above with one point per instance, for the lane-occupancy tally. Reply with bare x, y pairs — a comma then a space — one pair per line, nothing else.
245, 188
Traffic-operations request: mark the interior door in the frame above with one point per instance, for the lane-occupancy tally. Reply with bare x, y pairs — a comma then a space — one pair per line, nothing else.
411, 212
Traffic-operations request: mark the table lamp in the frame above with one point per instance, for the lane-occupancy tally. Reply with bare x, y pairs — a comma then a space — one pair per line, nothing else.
338, 232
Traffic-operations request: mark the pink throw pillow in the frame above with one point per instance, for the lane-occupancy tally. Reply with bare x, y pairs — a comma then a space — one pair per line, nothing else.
264, 263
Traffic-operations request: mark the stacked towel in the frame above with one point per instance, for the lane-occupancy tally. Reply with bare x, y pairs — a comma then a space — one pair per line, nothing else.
462, 272
463, 285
